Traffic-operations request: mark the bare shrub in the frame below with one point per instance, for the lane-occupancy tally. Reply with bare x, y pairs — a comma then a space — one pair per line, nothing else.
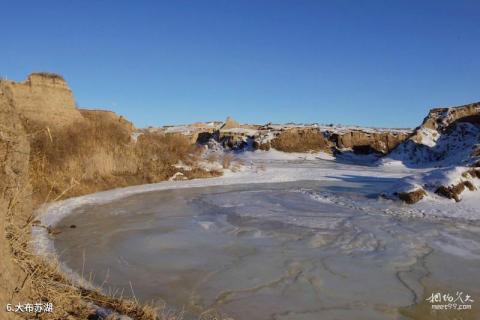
158, 153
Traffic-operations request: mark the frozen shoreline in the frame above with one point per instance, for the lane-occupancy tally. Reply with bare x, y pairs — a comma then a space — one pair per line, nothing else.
267, 167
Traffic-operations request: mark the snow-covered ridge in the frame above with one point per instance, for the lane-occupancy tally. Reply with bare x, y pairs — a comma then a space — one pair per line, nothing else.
250, 137
439, 159
253, 129
449, 141
447, 137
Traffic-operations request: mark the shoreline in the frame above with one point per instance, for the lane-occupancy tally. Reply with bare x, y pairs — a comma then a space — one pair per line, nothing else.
55, 212
280, 168
51, 213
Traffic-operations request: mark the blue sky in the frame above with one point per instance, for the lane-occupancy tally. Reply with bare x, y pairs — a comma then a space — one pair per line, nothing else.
374, 63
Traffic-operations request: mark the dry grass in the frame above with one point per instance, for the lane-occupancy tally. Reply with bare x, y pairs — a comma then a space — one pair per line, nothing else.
88, 156
48, 284
99, 154
300, 141
227, 160
197, 173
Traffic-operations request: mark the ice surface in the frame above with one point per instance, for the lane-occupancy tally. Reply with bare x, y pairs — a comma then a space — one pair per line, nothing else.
289, 237
258, 251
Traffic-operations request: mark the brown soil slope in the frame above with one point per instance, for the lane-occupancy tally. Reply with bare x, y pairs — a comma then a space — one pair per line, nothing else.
14, 203
301, 140
50, 150
366, 142
44, 98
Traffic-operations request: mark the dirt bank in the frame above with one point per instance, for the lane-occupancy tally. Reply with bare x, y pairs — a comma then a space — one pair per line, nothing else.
55, 153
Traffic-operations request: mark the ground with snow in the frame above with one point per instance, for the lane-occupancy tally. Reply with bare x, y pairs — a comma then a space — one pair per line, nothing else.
436, 149
275, 166
433, 157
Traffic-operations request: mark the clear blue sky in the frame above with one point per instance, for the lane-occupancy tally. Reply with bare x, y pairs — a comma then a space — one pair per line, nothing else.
376, 63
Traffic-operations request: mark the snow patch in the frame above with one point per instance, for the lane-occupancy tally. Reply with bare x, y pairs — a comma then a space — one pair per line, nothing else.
430, 181
450, 148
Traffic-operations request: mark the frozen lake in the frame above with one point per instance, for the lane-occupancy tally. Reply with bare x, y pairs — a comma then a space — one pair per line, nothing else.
292, 250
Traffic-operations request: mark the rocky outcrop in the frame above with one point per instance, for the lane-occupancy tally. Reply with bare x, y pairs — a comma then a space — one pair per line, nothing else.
447, 136
229, 134
234, 135
441, 118
43, 98
454, 191
229, 124
337, 140
412, 197
365, 142
293, 137
301, 140
447, 182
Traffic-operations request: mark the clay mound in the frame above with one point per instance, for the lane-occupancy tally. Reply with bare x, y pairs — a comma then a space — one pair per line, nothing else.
43, 98
300, 140
362, 142
441, 118
230, 123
